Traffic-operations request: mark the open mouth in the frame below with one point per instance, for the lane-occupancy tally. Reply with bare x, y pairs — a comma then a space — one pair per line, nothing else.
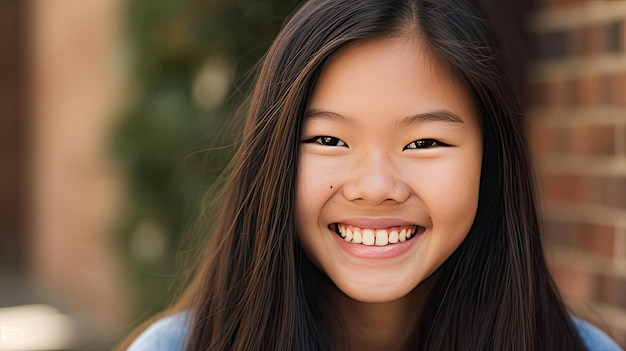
376, 237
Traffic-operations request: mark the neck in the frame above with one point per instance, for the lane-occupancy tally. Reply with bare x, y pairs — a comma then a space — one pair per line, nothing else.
376, 326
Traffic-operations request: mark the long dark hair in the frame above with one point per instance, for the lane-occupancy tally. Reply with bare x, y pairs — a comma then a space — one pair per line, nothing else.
256, 289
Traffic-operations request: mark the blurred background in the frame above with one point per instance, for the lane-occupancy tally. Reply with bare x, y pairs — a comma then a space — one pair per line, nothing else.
118, 115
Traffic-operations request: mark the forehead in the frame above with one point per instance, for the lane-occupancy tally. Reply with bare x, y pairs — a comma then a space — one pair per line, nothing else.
390, 75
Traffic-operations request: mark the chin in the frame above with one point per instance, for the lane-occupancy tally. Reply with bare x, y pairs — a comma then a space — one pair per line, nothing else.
375, 294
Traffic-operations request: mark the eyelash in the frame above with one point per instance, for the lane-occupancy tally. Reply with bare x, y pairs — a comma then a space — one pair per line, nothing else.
424, 144
326, 140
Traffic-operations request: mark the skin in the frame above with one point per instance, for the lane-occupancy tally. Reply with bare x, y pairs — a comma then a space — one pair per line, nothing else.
376, 99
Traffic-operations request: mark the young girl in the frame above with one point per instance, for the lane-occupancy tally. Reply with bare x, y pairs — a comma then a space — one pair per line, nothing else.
381, 198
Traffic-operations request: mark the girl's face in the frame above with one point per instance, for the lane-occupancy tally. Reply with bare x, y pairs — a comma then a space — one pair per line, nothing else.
389, 169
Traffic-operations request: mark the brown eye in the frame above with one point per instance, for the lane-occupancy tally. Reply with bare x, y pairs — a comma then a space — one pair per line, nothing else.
326, 141
425, 144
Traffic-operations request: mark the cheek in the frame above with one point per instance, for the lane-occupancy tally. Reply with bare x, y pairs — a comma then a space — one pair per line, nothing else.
452, 195
452, 200
316, 183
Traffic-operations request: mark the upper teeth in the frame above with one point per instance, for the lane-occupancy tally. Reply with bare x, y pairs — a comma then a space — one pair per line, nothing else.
379, 237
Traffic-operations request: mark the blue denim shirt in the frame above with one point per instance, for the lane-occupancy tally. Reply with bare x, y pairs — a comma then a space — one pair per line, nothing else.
170, 334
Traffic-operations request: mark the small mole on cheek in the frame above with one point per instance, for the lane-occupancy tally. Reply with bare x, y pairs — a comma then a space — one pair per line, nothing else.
331, 186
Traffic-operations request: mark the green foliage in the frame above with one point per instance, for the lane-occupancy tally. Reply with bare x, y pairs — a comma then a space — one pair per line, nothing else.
164, 138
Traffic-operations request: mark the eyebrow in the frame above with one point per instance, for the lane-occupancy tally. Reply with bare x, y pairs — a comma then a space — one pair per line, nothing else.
327, 114
442, 115
432, 116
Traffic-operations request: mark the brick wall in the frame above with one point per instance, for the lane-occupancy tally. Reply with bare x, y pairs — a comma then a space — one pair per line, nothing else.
577, 105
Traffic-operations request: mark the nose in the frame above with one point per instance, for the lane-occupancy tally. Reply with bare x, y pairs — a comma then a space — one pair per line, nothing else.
375, 179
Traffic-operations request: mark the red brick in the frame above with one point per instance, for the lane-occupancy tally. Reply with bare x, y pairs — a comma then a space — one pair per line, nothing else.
598, 190
614, 36
566, 187
592, 139
589, 40
621, 36
616, 89
545, 139
609, 191
596, 239
621, 133
588, 90
574, 283
615, 192
612, 290
558, 234
560, 92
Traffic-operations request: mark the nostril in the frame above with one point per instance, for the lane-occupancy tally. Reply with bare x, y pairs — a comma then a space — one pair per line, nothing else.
374, 194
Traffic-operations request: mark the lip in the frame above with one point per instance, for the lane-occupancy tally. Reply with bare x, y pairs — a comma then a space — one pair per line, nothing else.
377, 252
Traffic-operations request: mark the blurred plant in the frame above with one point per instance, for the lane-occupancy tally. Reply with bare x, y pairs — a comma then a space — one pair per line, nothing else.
188, 61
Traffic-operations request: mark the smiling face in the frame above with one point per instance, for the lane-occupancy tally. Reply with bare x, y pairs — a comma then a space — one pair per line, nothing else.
389, 169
